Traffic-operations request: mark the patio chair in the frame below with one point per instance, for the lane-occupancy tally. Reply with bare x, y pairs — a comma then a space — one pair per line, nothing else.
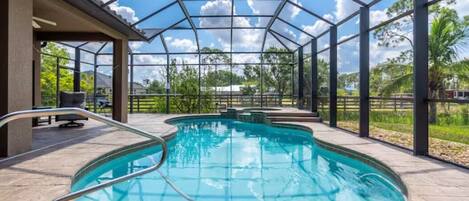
71, 99
103, 104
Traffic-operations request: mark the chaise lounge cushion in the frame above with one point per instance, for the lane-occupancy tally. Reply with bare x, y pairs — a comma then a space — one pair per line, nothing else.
71, 99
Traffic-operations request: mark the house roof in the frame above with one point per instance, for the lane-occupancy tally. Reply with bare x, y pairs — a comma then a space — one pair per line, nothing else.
105, 81
102, 80
109, 17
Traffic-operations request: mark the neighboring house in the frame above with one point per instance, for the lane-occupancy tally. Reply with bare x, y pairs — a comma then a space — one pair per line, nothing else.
138, 88
236, 89
458, 94
104, 84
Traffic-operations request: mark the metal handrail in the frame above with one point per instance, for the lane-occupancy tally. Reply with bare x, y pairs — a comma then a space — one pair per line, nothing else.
77, 111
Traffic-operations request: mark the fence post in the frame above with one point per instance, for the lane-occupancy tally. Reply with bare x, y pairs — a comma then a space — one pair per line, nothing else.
138, 103
345, 104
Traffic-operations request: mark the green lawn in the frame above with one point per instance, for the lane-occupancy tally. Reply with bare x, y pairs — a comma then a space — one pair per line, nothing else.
452, 127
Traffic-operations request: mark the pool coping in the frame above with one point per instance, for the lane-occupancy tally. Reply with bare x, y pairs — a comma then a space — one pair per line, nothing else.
369, 160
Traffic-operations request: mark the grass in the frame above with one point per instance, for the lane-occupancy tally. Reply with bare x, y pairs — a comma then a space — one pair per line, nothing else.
452, 127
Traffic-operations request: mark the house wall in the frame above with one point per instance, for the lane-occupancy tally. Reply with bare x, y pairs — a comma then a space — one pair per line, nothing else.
16, 39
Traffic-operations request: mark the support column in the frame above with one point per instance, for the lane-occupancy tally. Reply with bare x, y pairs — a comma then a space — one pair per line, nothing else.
333, 77
131, 83
168, 85
301, 74
76, 71
262, 79
16, 39
364, 72
37, 99
95, 83
420, 77
199, 103
314, 75
120, 81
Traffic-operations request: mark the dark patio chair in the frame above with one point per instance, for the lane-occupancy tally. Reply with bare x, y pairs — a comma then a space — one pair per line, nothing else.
71, 99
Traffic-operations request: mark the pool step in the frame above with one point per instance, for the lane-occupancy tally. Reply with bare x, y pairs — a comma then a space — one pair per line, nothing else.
293, 119
292, 114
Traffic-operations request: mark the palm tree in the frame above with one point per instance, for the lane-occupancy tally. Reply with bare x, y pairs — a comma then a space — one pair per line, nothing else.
447, 35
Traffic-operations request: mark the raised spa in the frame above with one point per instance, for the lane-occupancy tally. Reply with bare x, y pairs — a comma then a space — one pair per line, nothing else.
221, 159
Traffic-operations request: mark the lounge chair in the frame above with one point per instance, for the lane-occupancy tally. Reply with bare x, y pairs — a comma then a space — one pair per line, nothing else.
71, 99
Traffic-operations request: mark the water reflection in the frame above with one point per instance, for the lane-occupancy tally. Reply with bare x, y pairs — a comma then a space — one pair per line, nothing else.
230, 160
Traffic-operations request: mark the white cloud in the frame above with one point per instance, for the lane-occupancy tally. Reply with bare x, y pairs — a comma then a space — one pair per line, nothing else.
262, 7
149, 59
184, 44
253, 6
135, 45
126, 12
248, 39
380, 54
294, 11
220, 7
344, 8
345, 37
377, 16
315, 29
462, 7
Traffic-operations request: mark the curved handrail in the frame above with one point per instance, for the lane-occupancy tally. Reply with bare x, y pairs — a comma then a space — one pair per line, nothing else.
77, 111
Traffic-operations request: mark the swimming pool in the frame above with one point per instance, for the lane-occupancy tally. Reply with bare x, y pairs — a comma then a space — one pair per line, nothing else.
221, 159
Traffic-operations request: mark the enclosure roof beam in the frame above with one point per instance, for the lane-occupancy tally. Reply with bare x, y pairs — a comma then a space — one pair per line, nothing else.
71, 46
283, 44
188, 17
167, 28
231, 30
373, 3
216, 28
163, 41
101, 48
310, 12
176, 53
217, 16
286, 38
79, 46
363, 4
295, 27
154, 13
271, 21
108, 3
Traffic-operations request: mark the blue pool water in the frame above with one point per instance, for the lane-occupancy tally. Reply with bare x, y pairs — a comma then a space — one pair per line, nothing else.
218, 159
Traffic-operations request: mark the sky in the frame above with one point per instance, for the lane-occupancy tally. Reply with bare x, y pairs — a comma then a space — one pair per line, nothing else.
251, 39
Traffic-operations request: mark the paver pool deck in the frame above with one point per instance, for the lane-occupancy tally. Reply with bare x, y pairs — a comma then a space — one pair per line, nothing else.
46, 172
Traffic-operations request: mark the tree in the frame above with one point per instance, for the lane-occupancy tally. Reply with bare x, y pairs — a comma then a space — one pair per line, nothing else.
447, 36
276, 73
347, 80
223, 78
323, 76
156, 87
185, 83
49, 74
210, 67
